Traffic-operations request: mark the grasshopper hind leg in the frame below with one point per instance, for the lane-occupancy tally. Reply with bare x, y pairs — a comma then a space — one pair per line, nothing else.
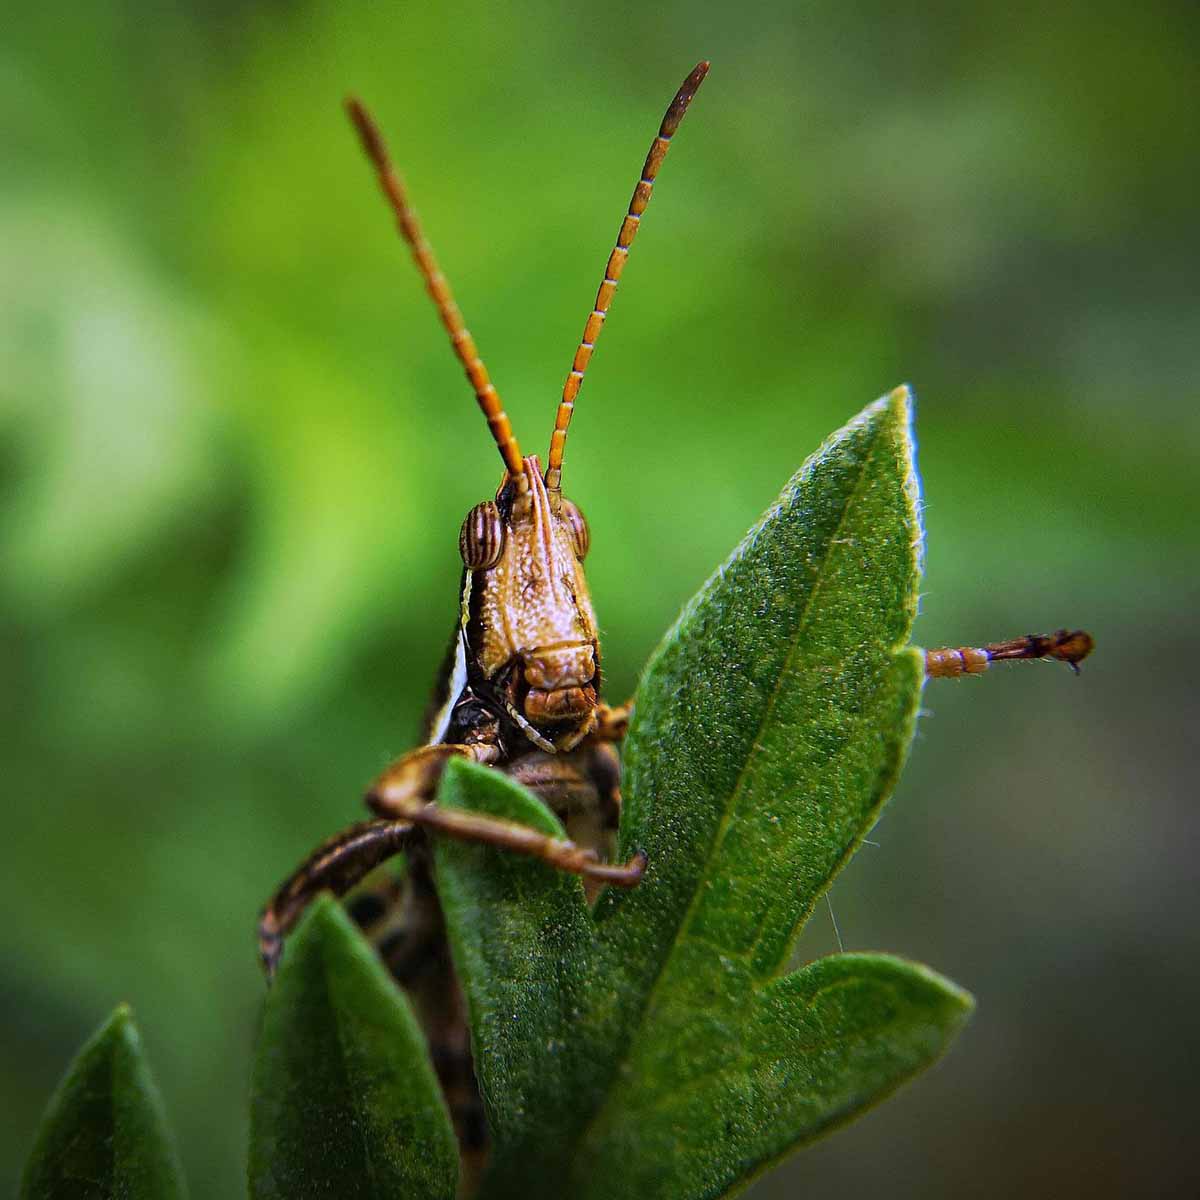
336, 866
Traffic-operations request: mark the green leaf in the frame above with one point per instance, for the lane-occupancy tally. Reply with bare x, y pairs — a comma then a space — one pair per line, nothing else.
807, 1053
523, 943
345, 1102
104, 1135
653, 1048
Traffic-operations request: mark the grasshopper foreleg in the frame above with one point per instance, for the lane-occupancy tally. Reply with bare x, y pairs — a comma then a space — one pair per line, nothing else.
404, 792
348, 857
612, 721
403, 800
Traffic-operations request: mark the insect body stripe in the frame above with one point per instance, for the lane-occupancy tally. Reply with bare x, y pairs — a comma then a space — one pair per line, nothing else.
454, 689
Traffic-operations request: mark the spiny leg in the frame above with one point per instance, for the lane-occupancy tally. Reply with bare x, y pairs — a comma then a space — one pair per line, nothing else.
403, 792
1071, 646
335, 866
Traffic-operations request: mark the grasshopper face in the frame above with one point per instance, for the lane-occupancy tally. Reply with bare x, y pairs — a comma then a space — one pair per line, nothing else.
528, 632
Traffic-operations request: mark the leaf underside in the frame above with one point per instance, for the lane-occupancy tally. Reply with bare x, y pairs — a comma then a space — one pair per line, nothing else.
103, 1135
652, 1047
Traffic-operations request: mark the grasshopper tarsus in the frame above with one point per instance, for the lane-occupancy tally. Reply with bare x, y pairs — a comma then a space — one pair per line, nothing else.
622, 875
1070, 646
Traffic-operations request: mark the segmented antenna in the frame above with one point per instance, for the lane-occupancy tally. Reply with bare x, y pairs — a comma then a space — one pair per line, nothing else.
616, 264
439, 290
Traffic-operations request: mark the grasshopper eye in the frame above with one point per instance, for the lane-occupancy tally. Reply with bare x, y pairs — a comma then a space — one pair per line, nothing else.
580, 534
481, 539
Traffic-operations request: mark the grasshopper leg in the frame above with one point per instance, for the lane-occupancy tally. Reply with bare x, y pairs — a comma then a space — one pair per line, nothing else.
1071, 646
612, 721
401, 798
335, 866
403, 793
348, 857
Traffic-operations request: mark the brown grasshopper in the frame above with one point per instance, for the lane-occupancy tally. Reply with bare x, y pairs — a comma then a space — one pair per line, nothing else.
520, 689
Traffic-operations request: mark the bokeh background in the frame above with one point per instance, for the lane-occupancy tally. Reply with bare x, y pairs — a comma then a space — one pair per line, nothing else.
235, 451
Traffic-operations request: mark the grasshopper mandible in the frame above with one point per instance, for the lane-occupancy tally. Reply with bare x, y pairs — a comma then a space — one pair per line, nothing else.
520, 689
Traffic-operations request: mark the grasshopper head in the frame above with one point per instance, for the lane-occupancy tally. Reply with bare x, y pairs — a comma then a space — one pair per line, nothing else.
527, 615
528, 639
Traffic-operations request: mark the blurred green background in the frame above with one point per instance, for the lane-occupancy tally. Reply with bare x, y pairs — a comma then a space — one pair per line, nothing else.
235, 451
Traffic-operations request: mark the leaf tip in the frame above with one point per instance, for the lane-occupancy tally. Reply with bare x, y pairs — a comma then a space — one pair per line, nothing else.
121, 1016
120, 1029
903, 399
952, 1004
457, 768
482, 789
322, 908
902, 402
324, 924
959, 1004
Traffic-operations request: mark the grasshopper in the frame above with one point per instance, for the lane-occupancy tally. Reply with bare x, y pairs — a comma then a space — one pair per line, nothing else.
520, 687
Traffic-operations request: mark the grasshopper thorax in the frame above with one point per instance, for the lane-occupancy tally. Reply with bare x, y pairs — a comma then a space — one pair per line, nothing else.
528, 629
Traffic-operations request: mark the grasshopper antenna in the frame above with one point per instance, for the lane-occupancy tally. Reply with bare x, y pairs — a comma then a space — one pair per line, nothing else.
616, 264
439, 290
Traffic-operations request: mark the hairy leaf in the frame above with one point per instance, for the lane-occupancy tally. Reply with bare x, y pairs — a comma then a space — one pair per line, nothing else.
523, 946
345, 1102
104, 1135
652, 1047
